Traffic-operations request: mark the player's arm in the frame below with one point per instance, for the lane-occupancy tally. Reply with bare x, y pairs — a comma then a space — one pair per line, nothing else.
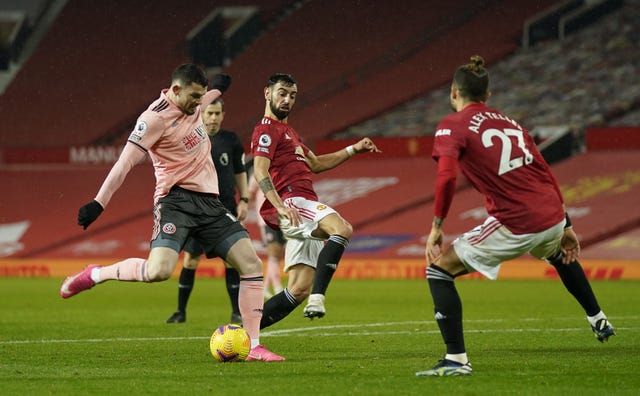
131, 155
240, 174
218, 85
445, 189
243, 190
261, 174
325, 162
569, 244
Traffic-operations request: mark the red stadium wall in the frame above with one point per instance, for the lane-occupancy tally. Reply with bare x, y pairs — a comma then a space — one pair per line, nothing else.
608, 138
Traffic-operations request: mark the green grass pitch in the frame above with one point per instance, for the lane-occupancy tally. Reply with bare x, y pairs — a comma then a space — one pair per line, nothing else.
523, 338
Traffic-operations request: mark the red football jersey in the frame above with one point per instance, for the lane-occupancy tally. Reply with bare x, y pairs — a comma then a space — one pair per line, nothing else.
501, 160
289, 170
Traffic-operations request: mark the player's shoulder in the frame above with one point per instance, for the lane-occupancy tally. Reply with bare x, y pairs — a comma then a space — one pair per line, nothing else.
158, 111
267, 125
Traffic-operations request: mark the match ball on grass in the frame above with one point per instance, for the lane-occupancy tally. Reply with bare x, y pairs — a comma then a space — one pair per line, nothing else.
230, 343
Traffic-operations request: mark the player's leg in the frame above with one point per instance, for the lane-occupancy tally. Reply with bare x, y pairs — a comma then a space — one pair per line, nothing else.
275, 254
576, 282
192, 252
338, 232
483, 249
283, 303
448, 314
157, 267
243, 257
232, 281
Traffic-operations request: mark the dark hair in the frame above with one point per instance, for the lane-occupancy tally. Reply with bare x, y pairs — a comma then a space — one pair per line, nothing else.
283, 78
218, 100
472, 80
188, 73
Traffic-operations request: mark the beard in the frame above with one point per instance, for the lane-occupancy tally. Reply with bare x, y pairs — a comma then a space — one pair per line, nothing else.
280, 114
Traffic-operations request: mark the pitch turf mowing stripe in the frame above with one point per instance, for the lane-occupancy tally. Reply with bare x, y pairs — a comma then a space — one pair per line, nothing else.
322, 331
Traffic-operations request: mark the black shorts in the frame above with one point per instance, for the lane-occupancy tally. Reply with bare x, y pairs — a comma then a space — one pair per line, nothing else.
184, 214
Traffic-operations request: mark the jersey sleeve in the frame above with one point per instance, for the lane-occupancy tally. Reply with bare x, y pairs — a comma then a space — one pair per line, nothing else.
210, 96
148, 130
447, 142
131, 156
445, 185
264, 141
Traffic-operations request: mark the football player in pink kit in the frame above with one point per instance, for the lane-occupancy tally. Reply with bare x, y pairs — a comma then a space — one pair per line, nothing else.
283, 166
186, 200
525, 207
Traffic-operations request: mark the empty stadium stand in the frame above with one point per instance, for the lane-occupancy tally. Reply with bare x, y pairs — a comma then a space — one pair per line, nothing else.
102, 63
98, 67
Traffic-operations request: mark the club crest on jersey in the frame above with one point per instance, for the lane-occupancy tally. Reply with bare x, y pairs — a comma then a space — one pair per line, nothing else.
194, 138
138, 131
264, 140
169, 228
321, 207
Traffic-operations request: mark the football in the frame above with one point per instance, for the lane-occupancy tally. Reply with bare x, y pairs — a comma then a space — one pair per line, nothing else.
230, 343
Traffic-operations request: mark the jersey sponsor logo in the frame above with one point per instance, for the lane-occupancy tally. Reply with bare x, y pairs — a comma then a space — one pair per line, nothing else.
264, 140
443, 132
169, 228
138, 131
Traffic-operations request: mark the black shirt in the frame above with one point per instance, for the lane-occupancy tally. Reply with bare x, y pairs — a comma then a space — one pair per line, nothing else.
228, 157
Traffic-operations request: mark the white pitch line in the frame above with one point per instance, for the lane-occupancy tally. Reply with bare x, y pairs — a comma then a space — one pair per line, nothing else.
325, 331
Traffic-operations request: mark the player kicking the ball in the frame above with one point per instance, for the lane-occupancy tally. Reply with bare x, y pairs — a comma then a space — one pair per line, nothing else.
525, 206
186, 200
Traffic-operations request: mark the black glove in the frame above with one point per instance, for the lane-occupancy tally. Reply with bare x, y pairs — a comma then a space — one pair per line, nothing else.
89, 213
221, 82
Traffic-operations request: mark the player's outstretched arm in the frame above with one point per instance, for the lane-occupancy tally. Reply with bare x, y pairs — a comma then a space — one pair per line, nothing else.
130, 157
329, 161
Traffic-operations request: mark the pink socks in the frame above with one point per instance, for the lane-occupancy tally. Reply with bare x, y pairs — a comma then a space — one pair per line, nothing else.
131, 269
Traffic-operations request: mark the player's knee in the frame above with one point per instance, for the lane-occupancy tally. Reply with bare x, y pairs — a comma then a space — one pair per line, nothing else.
191, 263
345, 230
159, 271
249, 265
300, 294
299, 291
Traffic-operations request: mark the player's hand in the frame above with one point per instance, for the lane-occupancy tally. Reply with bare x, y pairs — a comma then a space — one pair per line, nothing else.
243, 210
89, 213
366, 145
433, 249
570, 246
221, 82
291, 214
